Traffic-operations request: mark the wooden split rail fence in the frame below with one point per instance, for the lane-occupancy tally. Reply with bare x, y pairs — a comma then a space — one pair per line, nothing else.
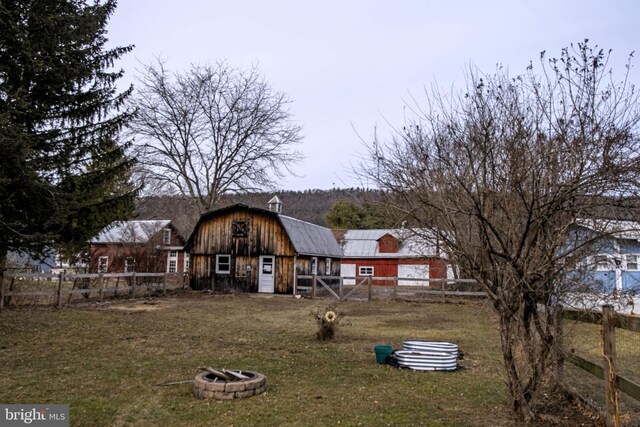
610, 320
336, 287
101, 285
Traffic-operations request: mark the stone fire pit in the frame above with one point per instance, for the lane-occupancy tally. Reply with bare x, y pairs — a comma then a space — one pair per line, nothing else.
227, 385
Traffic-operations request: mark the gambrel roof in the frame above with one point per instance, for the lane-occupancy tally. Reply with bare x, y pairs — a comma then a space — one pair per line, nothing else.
306, 238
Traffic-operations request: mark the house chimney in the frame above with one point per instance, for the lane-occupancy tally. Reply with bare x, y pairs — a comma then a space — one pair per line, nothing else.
275, 205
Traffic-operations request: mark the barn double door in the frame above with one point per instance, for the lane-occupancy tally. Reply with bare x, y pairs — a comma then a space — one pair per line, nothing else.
266, 276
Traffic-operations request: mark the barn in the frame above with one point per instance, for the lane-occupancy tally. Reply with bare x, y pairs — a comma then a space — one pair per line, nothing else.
401, 253
246, 249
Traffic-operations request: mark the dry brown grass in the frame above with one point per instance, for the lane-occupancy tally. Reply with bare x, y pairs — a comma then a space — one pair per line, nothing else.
105, 359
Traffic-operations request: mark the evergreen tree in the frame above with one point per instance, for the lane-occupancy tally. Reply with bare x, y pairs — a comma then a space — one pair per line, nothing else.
345, 215
349, 215
64, 173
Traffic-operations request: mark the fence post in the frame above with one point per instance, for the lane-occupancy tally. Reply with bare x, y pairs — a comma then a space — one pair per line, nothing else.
369, 286
313, 287
444, 295
60, 279
164, 284
11, 300
395, 286
341, 288
612, 413
2, 292
133, 284
101, 288
559, 343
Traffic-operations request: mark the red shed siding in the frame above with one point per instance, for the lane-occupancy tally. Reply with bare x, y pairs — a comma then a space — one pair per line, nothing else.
388, 244
388, 267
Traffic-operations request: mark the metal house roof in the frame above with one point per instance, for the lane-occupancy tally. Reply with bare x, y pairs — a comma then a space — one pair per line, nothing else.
618, 229
130, 231
364, 244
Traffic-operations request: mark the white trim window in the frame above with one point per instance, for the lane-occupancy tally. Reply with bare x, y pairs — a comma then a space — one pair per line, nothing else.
314, 266
365, 270
327, 267
631, 261
166, 236
223, 264
103, 264
172, 262
602, 262
129, 265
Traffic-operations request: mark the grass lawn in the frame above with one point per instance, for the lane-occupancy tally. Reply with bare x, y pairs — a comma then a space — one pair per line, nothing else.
105, 361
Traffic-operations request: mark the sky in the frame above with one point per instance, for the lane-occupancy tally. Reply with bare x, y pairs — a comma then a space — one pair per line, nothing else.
350, 66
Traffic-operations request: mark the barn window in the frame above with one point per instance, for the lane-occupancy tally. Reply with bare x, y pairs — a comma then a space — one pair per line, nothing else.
327, 267
365, 271
223, 264
166, 236
239, 229
103, 264
314, 266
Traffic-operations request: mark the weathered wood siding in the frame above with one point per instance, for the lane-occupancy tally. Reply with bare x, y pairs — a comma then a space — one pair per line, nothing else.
265, 236
304, 266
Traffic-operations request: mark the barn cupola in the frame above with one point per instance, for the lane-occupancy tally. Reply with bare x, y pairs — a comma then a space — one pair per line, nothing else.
275, 205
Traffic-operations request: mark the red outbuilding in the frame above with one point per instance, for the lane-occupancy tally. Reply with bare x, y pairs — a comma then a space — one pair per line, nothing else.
402, 253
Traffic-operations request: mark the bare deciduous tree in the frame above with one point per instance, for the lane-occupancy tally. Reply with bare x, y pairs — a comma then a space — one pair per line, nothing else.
502, 173
210, 131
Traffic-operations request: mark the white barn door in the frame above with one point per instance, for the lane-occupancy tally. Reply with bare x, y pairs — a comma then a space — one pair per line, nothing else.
266, 274
407, 272
348, 270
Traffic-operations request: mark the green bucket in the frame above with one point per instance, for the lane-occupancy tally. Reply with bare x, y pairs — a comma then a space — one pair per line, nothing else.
382, 353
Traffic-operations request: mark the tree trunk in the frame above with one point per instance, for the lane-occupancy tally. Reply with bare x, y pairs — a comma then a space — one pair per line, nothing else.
509, 340
3, 268
527, 346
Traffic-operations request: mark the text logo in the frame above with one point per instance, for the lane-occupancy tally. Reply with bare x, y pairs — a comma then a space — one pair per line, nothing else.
34, 415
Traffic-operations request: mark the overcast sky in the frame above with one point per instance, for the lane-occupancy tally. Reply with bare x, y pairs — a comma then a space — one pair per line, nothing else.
352, 64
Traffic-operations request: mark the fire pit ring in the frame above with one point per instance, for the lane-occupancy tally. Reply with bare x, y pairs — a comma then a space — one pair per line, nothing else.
228, 385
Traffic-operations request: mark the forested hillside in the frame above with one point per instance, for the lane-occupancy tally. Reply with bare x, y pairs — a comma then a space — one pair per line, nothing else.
308, 205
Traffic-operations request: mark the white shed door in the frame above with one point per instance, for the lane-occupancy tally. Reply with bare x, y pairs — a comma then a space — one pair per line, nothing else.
348, 270
267, 271
407, 272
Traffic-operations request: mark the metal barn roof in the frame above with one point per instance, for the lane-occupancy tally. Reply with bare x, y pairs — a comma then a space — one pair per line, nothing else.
364, 244
306, 238
130, 231
310, 239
